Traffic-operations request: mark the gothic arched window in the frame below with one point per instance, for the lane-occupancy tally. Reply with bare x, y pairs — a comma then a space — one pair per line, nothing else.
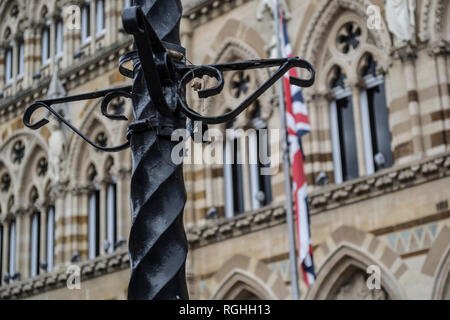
35, 234
45, 44
342, 126
111, 210
100, 17
358, 114
8, 65
246, 155
12, 244
375, 119
1, 248
50, 238
86, 22
93, 216
59, 38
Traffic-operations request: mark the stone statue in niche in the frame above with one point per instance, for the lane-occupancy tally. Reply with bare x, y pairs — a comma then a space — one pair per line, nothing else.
57, 152
263, 5
401, 20
57, 142
264, 11
355, 288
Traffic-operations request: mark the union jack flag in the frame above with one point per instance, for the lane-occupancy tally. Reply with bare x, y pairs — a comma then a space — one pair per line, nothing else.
297, 126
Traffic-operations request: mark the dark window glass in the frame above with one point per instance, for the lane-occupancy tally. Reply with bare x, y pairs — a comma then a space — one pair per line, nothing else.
1, 254
12, 250
111, 216
8, 65
100, 15
238, 183
97, 223
86, 22
50, 240
379, 125
94, 231
45, 44
35, 243
20, 58
265, 184
347, 137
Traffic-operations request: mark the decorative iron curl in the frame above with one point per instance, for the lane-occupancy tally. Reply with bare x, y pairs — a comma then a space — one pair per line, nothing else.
216, 71
108, 95
158, 245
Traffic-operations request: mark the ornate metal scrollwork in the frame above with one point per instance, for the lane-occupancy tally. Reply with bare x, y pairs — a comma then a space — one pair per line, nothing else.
158, 244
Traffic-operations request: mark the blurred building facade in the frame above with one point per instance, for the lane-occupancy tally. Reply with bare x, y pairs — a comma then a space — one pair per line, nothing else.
377, 159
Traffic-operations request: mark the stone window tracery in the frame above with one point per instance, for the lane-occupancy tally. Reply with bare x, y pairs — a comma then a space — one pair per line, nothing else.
12, 244
8, 65
1, 251
247, 179
5, 182
42, 167
240, 84
86, 22
354, 287
35, 234
360, 135
18, 152
93, 215
348, 37
101, 139
111, 209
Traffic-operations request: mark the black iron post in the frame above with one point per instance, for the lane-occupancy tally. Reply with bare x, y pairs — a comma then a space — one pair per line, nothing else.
158, 245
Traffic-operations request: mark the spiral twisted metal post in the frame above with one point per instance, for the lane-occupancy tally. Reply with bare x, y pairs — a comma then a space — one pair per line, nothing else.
158, 245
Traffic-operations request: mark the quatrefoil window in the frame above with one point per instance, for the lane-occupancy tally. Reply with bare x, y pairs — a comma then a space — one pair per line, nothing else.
92, 172
7, 33
5, 182
18, 152
101, 139
42, 167
338, 78
348, 37
14, 11
240, 84
34, 195
117, 106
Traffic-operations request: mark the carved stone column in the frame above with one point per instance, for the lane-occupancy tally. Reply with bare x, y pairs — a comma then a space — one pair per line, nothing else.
408, 56
2, 66
5, 242
93, 8
356, 98
440, 53
52, 44
80, 197
322, 103
23, 233
62, 252
123, 203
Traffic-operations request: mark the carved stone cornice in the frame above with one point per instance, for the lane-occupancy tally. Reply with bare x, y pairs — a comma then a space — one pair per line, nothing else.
439, 48
329, 198
384, 182
58, 278
21, 212
71, 77
82, 190
406, 53
59, 190
123, 173
200, 11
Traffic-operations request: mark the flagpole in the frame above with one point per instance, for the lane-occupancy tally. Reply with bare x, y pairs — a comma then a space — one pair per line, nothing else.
287, 169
